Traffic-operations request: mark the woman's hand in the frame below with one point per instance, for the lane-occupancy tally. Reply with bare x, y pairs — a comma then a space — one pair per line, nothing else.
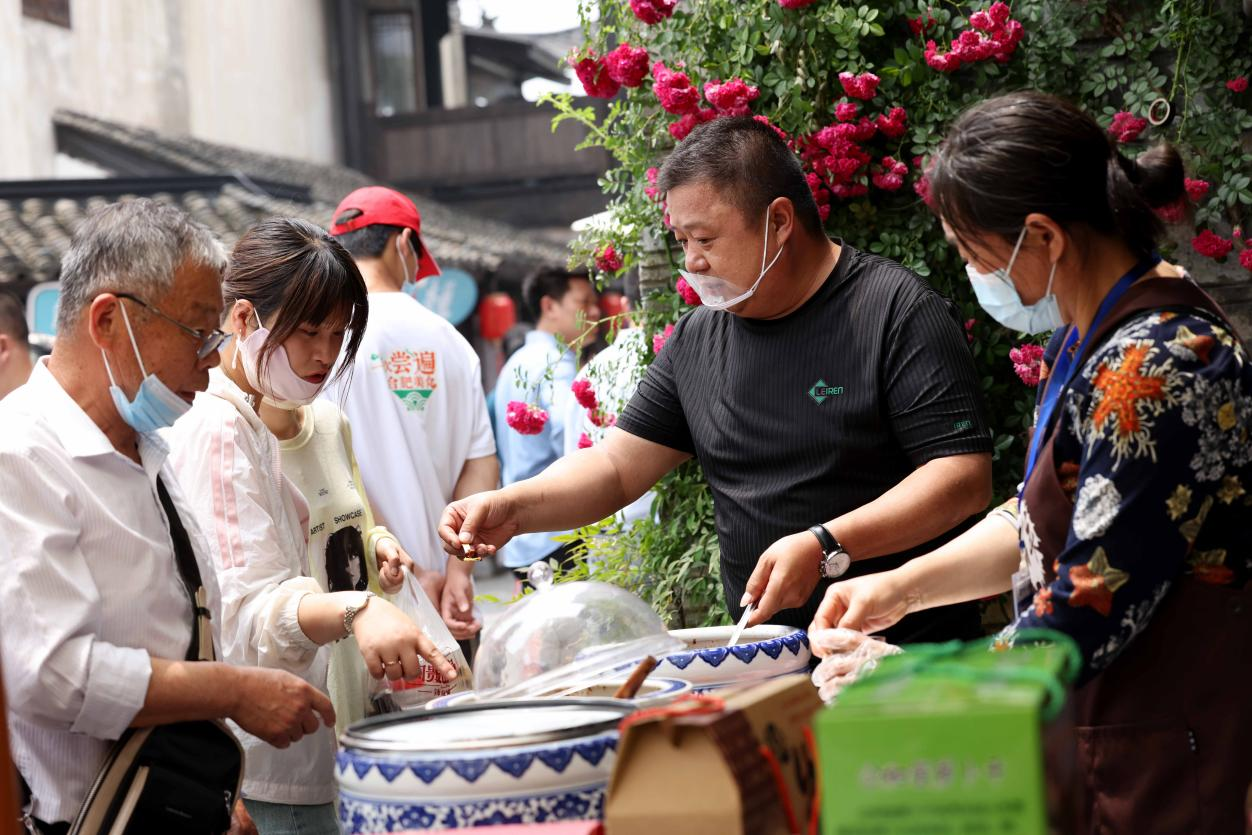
392, 644
866, 604
392, 560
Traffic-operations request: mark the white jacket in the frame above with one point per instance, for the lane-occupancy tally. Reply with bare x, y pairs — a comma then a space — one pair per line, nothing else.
255, 521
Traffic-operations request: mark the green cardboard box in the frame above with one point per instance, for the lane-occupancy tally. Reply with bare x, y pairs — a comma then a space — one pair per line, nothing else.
942, 740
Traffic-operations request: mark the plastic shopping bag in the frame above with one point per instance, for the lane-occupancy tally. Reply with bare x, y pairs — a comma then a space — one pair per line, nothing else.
387, 696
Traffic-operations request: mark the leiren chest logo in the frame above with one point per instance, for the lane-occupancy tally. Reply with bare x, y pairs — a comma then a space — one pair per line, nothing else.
820, 391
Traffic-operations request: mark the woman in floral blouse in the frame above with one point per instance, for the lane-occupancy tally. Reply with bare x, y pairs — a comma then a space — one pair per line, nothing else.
1132, 532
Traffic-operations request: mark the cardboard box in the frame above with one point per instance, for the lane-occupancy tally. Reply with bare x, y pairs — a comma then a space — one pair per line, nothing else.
955, 746
708, 773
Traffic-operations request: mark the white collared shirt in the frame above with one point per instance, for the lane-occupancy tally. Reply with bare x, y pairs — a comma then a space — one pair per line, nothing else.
89, 589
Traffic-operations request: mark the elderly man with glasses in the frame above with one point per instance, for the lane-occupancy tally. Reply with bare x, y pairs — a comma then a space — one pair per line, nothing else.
95, 616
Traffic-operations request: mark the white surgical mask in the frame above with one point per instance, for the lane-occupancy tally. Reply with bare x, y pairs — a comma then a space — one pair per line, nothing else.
717, 292
999, 297
410, 275
280, 386
155, 405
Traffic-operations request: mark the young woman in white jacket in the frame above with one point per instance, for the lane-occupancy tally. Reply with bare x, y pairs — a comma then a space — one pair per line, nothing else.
273, 613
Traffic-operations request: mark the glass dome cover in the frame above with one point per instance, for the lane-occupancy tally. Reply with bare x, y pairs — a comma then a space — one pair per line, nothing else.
567, 633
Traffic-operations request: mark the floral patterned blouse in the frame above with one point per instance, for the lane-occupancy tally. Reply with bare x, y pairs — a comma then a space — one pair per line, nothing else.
1154, 447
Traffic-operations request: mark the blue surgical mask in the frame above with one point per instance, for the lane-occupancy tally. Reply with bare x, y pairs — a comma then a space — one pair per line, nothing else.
997, 295
155, 406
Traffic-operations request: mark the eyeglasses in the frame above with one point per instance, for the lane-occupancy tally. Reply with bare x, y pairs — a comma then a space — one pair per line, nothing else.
210, 341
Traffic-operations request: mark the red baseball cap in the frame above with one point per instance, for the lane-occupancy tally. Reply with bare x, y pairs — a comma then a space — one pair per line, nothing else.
382, 205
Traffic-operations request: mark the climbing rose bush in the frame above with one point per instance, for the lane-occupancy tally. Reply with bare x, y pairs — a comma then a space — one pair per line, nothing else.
862, 94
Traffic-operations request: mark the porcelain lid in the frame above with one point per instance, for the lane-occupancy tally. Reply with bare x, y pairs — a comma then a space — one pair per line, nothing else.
481, 726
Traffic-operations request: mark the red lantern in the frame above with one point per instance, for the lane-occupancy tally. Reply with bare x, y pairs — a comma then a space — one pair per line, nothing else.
612, 303
496, 314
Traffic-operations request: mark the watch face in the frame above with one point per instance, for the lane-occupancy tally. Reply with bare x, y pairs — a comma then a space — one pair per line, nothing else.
836, 564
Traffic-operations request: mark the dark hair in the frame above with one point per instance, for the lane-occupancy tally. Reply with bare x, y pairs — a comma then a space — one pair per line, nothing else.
344, 547
13, 318
295, 271
1031, 152
748, 163
550, 282
370, 241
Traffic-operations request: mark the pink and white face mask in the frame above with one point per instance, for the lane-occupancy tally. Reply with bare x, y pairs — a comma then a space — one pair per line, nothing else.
280, 386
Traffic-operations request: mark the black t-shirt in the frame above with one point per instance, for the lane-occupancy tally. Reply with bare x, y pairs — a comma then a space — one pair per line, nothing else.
798, 420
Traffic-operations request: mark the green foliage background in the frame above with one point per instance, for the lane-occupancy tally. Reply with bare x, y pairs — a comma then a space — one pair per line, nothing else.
1108, 56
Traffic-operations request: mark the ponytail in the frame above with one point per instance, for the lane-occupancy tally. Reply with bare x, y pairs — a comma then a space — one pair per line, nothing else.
1137, 186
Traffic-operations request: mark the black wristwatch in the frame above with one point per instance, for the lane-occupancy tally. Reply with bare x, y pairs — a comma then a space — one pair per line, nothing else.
835, 560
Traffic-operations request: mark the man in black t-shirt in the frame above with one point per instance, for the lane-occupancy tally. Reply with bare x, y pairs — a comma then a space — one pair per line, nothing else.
829, 395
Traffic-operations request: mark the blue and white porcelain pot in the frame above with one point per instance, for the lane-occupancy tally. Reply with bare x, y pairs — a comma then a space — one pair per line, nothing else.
762, 652
478, 765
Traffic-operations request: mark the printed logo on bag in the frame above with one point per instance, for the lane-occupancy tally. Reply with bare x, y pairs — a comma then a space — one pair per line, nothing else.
410, 376
820, 391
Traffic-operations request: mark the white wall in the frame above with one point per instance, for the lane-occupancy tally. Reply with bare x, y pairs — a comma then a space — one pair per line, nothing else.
259, 72
241, 72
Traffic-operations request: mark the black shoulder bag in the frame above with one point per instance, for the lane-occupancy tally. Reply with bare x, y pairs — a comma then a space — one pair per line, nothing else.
183, 777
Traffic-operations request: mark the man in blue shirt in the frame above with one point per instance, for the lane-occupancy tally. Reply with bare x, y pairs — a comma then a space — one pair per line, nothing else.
539, 374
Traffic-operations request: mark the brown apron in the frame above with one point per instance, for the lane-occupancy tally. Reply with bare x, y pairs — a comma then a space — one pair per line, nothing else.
1164, 735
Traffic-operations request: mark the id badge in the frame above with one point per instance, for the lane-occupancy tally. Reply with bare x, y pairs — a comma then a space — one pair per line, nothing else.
1023, 590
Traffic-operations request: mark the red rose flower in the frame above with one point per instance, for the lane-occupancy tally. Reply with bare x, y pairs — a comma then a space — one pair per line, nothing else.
1211, 245
730, 98
674, 89
607, 260
627, 65
862, 86
688, 293
1126, 127
585, 394
595, 77
652, 11
891, 124
1237, 85
1027, 362
688, 123
1196, 189
524, 418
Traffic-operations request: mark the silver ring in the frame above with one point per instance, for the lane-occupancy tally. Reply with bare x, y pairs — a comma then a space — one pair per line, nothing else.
389, 663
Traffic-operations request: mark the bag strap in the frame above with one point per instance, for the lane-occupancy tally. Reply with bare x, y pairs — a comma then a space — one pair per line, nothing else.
201, 648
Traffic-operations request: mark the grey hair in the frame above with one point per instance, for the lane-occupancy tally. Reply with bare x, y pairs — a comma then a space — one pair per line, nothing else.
134, 246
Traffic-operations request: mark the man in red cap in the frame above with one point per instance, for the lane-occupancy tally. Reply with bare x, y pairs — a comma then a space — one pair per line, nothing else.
421, 433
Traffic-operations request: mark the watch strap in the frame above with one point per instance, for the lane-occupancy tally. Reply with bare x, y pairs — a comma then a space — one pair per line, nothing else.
828, 542
350, 612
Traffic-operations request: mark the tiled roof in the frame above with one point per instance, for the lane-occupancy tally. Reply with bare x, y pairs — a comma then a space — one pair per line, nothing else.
35, 231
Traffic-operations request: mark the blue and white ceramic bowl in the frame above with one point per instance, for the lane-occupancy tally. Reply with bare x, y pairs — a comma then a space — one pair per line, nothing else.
478, 765
654, 692
762, 652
